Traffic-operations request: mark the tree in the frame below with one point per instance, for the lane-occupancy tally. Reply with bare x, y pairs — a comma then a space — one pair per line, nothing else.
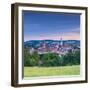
68, 59
71, 58
31, 59
50, 59
26, 59
34, 61
76, 59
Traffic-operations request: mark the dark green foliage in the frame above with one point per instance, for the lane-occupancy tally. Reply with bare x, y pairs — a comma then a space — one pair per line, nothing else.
31, 59
71, 58
51, 59
26, 59
77, 57
68, 59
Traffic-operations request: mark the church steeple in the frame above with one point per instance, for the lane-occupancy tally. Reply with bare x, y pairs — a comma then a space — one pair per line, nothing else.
61, 42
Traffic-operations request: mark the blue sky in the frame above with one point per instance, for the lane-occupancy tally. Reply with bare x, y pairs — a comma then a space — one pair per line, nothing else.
39, 26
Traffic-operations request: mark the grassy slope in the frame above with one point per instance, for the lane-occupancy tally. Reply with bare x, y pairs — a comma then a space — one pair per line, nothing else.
51, 71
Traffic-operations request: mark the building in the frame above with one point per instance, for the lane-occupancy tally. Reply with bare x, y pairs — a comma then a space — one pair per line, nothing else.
59, 48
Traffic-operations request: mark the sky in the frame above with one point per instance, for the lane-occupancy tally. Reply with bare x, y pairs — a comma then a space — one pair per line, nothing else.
52, 26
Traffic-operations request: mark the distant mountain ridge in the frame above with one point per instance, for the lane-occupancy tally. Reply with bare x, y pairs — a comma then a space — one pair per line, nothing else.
52, 40
37, 43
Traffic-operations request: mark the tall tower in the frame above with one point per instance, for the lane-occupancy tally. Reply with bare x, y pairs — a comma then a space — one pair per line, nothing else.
61, 43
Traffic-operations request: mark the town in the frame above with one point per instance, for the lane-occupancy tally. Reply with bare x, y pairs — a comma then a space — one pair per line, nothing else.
61, 47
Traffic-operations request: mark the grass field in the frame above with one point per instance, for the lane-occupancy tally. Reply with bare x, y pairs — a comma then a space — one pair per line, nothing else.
51, 71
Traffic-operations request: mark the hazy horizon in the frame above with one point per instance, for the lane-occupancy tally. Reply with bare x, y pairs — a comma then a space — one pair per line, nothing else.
49, 39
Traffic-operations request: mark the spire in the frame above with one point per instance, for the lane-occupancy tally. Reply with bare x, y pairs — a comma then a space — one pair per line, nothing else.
61, 42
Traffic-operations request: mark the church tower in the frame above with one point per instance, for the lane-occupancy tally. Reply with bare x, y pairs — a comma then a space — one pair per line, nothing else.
61, 42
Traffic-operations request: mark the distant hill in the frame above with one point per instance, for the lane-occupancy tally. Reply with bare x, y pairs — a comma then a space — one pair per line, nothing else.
37, 43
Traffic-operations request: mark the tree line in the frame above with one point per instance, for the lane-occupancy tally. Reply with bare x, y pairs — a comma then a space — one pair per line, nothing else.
51, 59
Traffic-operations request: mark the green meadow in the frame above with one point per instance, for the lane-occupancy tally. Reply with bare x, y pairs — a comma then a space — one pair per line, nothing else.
51, 71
